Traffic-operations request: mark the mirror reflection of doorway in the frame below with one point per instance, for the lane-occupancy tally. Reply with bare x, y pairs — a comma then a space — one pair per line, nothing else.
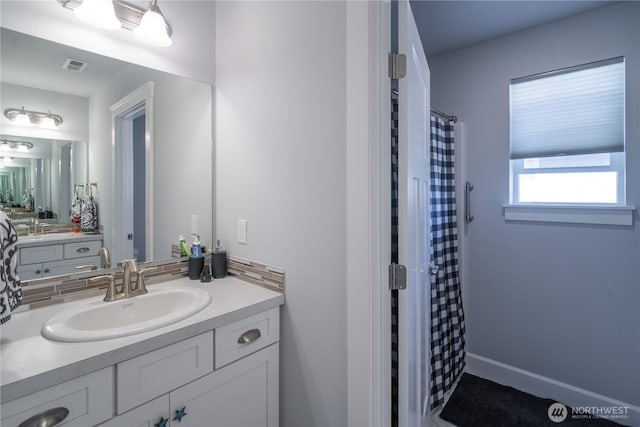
133, 171
139, 231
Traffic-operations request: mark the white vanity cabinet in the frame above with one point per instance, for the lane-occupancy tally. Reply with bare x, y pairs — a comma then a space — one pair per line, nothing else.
57, 257
177, 384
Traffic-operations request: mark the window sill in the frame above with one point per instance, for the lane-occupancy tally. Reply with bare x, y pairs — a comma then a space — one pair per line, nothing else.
575, 214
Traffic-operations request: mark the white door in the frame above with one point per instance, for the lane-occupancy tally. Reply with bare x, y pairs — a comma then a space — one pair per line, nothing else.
413, 224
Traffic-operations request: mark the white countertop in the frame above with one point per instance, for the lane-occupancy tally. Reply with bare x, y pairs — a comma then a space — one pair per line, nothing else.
56, 238
31, 362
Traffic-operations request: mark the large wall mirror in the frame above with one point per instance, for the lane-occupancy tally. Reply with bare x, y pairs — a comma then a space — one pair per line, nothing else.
176, 148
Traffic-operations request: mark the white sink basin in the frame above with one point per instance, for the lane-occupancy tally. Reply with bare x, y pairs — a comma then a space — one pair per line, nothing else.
99, 320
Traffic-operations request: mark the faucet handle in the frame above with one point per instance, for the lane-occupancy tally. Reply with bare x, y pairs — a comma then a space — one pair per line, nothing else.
129, 263
111, 288
140, 285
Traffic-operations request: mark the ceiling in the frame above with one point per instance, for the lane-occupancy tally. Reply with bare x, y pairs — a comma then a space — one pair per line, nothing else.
26, 59
443, 26
449, 25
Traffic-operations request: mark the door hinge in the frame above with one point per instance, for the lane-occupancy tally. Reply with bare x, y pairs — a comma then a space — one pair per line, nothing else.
397, 277
397, 66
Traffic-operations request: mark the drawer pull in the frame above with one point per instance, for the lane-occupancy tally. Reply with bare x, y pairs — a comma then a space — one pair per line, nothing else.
48, 418
82, 250
249, 336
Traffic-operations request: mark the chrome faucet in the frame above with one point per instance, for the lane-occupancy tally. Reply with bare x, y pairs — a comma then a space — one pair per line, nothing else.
43, 225
127, 289
106, 257
129, 267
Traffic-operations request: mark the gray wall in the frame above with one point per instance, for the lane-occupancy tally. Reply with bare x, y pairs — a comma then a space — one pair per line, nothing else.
562, 301
281, 165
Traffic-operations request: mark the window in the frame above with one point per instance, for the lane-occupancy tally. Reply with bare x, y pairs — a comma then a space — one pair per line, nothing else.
567, 136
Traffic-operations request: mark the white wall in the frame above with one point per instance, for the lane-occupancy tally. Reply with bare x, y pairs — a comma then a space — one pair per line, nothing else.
281, 165
561, 301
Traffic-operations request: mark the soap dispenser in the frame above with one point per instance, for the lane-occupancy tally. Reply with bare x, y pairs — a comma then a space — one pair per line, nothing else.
196, 248
219, 261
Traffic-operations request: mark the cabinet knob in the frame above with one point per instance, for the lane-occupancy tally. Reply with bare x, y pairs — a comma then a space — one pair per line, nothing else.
249, 336
180, 414
46, 271
162, 423
82, 250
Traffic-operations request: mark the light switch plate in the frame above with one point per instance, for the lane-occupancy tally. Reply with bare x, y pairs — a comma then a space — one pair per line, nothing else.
242, 231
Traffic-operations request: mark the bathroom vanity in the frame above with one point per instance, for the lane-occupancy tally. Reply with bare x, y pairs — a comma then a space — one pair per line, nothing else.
217, 367
46, 255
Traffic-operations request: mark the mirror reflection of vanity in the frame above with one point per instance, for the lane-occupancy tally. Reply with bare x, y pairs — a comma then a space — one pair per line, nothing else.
47, 171
168, 179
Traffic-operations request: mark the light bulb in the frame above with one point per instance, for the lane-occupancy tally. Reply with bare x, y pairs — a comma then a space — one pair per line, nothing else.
22, 119
48, 123
99, 13
153, 28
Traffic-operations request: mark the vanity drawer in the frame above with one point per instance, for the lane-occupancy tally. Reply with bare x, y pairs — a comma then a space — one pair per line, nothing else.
155, 373
88, 400
44, 253
82, 249
241, 338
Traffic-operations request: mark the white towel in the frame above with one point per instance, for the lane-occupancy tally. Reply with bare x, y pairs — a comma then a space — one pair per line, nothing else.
10, 290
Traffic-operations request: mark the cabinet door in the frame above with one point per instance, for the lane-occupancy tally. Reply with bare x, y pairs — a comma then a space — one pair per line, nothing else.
29, 271
242, 394
151, 414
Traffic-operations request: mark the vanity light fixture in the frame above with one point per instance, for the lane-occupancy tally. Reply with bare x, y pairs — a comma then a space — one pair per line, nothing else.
24, 117
15, 146
99, 13
149, 25
153, 27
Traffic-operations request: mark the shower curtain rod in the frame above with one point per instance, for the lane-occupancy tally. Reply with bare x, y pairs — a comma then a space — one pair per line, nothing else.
451, 117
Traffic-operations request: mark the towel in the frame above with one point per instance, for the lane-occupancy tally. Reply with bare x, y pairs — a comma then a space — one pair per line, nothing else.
10, 290
76, 204
89, 213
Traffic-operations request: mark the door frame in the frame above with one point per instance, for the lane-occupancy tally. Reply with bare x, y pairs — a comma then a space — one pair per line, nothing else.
122, 114
368, 91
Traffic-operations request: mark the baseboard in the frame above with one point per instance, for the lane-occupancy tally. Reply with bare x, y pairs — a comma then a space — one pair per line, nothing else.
541, 386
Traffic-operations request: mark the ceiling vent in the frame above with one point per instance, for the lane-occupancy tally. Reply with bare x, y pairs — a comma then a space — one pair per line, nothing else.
74, 65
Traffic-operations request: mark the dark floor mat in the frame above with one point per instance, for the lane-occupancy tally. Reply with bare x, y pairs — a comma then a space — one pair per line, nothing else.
477, 402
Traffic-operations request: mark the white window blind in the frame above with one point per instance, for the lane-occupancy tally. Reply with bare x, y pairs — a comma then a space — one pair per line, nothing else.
577, 110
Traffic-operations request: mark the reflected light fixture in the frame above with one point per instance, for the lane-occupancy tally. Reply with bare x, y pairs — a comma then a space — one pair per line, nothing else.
99, 13
7, 146
153, 28
149, 25
24, 117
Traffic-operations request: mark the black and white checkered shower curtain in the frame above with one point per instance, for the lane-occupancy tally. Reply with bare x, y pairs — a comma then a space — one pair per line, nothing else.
447, 316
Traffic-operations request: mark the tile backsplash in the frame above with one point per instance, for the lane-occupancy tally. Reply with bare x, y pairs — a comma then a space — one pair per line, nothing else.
59, 289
